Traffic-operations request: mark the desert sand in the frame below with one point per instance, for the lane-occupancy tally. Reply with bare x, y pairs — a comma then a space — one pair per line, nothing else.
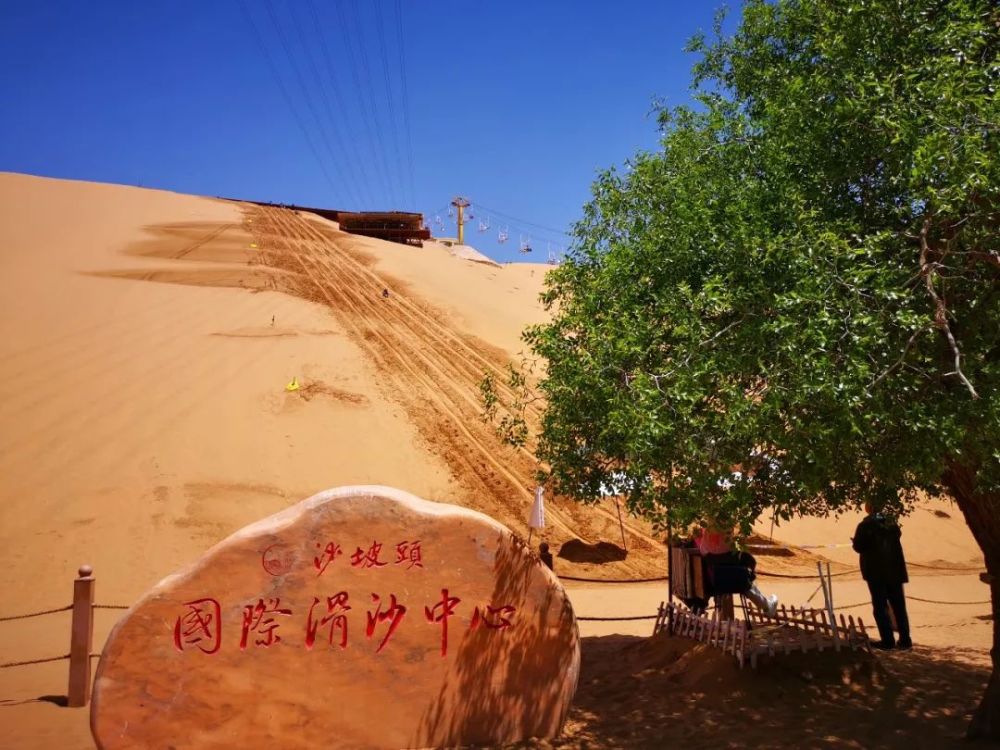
146, 339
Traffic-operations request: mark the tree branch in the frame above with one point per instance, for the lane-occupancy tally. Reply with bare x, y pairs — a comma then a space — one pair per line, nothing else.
927, 269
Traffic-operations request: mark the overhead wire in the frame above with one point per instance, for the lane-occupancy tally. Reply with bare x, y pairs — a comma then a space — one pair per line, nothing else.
524, 222
365, 91
353, 166
345, 109
401, 42
287, 97
305, 90
390, 98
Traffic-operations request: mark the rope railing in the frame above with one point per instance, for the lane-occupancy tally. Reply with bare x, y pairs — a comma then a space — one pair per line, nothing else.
612, 580
617, 619
9, 618
33, 661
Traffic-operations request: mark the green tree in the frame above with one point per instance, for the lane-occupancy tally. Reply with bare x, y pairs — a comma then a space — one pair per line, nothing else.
801, 283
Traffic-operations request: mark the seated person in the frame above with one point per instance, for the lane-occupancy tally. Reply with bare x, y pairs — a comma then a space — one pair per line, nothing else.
730, 572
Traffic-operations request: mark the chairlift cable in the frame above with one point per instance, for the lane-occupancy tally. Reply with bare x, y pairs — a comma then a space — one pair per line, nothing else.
390, 99
305, 90
369, 91
287, 97
341, 106
362, 95
340, 149
406, 96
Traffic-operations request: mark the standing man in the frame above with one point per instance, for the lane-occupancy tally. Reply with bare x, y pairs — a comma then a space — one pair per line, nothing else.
884, 569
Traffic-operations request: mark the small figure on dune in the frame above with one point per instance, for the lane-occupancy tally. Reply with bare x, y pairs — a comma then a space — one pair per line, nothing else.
272, 321
385, 294
883, 567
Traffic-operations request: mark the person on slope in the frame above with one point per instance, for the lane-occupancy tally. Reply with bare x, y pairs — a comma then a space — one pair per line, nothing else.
883, 567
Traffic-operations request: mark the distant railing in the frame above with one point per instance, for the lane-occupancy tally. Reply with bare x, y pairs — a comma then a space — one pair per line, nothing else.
81, 637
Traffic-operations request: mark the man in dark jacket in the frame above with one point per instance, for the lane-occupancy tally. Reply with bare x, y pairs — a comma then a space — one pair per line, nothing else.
884, 569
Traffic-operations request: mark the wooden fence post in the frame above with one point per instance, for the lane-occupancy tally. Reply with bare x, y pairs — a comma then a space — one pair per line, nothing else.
81, 638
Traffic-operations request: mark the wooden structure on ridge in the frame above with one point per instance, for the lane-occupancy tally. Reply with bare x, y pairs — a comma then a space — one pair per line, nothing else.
394, 226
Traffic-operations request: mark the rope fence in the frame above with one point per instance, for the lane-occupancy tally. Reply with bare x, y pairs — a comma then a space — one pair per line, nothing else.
617, 619
33, 661
83, 606
9, 618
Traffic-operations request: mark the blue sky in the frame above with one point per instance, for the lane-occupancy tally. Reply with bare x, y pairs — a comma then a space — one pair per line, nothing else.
516, 105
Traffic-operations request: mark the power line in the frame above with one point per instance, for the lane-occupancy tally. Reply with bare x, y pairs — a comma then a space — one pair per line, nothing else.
389, 94
347, 153
406, 96
523, 222
366, 91
338, 95
302, 84
285, 94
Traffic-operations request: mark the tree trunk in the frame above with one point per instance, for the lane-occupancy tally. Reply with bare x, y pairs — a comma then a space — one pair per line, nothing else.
982, 514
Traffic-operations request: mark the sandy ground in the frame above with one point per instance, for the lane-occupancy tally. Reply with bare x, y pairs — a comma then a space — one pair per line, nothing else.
145, 342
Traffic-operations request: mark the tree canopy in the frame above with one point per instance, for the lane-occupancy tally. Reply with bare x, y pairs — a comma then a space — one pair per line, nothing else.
792, 304
802, 282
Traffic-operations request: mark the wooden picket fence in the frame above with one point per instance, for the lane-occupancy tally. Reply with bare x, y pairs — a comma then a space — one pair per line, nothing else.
759, 634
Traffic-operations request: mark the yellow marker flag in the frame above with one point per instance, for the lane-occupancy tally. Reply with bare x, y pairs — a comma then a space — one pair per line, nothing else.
293, 386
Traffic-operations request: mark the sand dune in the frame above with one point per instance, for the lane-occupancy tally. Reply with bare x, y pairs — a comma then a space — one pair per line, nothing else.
146, 339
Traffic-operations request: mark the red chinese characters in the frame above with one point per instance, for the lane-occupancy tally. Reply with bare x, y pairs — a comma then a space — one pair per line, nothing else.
494, 618
394, 614
409, 552
258, 619
440, 613
368, 559
329, 554
335, 617
199, 626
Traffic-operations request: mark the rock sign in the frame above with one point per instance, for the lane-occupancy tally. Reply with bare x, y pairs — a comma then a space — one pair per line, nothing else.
363, 617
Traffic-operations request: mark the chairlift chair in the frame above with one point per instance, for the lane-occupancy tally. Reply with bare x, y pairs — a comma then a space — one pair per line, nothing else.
484, 226
503, 235
525, 244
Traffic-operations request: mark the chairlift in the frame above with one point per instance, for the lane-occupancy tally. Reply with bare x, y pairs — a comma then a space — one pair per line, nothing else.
439, 222
503, 235
470, 216
525, 244
451, 211
484, 226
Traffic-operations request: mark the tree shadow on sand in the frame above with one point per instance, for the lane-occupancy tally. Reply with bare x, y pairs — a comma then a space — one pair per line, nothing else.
509, 683
578, 551
671, 692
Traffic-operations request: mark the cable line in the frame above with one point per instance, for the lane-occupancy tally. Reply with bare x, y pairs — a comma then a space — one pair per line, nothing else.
406, 97
342, 150
286, 96
305, 89
343, 107
390, 96
375, 125
523, 222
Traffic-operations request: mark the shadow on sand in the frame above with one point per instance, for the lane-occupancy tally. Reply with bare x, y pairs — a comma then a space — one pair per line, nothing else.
671, 692
578, 551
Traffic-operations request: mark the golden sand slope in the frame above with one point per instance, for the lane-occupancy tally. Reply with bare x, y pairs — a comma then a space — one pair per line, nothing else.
145, 341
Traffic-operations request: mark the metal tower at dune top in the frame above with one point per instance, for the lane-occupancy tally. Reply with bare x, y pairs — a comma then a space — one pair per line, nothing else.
460, 205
